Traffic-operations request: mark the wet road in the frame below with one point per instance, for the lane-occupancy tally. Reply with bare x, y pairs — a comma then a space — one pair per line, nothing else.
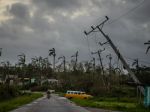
54, 104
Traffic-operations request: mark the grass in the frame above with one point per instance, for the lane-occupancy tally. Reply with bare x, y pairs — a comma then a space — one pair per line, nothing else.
14, 103
122, 104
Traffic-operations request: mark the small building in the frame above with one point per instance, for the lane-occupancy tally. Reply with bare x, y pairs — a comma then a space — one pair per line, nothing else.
50, 81
11, 79
53, 81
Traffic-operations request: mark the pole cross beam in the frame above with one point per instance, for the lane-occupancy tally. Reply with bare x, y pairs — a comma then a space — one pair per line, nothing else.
132, 75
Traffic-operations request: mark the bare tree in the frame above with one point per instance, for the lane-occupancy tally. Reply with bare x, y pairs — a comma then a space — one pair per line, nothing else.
22, 60
6, 66
64, 62
76, 60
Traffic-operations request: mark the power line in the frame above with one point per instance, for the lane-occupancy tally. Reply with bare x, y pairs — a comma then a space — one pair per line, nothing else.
128, 12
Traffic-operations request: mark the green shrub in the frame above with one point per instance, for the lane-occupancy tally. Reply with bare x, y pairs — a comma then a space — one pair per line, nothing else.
7, 92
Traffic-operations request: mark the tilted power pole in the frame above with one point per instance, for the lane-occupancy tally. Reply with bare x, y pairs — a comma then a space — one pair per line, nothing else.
100, 59
99, 27
101, 63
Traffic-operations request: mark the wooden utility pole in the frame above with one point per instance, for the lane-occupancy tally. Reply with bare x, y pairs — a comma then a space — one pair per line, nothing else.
99, 28
101, 63
100, 59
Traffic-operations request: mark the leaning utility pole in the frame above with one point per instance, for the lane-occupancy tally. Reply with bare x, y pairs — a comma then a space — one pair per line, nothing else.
101, 63
99, 27
100, 59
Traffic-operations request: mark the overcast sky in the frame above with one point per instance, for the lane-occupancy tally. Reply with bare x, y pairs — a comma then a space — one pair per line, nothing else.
35, 26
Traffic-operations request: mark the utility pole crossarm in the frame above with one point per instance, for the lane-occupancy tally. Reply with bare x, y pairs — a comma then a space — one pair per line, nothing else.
93, 29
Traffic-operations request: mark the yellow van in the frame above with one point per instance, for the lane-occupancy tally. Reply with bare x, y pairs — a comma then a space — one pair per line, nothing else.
77, 94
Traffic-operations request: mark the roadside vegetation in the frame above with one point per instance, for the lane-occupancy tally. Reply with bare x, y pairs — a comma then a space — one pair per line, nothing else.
89, 76
8, 92
13, 103
121, 104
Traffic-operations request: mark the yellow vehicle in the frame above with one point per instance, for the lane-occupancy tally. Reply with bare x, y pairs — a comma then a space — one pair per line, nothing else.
77, 94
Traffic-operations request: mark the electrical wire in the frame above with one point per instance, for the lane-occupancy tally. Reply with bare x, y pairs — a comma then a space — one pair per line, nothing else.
128, 12
115, 20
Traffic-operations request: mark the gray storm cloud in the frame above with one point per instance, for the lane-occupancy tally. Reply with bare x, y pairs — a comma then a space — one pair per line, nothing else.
43, 24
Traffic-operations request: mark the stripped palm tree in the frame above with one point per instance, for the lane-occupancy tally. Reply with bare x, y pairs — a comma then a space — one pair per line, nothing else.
6, 65
76, 60
64, 62
22, 60
147, 43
